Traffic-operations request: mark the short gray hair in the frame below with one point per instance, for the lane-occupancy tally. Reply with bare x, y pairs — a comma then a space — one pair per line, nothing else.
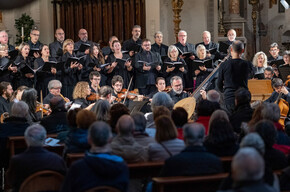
162, 99
35, 135
180, 31
100, 133
274, 45
193, 133
171, 48
213, 96
253, 140
175, 78
140, 121
19, 109
271, 111
248, 164
53, 84
157, 32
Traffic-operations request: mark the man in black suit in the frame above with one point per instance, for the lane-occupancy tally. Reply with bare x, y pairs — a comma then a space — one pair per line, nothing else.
133, 45
209, 45
158, 46
187, 47
194, 159
99, 167
55, 48
34, 159
146, 74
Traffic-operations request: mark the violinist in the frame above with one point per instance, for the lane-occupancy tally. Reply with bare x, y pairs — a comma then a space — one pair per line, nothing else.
177, 92
80, 93
29, 96
160, 84
95, 79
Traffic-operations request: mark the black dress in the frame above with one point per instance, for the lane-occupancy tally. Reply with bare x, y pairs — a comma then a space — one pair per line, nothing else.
88, 69
175, 72
20, 78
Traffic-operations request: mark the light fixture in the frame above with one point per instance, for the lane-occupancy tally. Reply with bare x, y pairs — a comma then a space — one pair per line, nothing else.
285, 4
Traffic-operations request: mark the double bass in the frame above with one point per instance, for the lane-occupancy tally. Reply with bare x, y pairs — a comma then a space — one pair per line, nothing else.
284, 109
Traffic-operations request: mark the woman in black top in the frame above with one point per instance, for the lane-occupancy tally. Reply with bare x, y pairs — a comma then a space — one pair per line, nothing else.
122, 68
80, 93
93, 63
29, 96
71, 71
170, 70
43, 77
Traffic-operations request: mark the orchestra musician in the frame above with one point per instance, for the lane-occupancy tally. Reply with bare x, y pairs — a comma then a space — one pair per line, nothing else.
72, 71
160, 85
233, 74
133, 45
122, 68
187, 47
146, 75
80, 93
95, 79
93, 63
29, 96
177, 92
174, 70
268, 73
54, 88
55, 48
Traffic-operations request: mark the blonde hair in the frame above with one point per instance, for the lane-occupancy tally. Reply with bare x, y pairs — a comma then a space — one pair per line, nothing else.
80, 90
255, 59
22, 45
199, 47
65, 43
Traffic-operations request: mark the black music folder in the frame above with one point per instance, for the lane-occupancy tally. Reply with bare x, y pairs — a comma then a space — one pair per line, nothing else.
105, 65
212, 51
284, 71
13, 54
186, 54
32, 51
52, 64
152, 64
27, 69
276, 63
223, 47
259, 76
136, 48
174, 64
84, 47
207, 63
75, 59
4, 63
123, 60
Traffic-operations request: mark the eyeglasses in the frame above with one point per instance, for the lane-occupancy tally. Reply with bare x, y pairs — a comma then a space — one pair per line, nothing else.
97, 79
83, 33
37, 35
60, 33
56, 88
146, 45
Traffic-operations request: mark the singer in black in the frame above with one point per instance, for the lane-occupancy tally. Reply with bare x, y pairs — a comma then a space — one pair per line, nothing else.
233, 74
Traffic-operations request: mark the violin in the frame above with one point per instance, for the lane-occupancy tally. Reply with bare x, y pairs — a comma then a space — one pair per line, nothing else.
130, 95
167, 89
40, 107
93, 97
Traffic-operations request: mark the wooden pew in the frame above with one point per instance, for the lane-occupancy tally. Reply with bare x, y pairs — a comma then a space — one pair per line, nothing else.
17, 144
205, 183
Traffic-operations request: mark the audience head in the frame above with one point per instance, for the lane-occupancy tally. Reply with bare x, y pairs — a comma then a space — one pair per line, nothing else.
85, 118
254, 140
256, 117
161, 110
54, 87
6, 89
106, 93
116, 111
213, 96
274, 50
176, 84
57, 104
81, 90
194, 134
101, 109
158, 37
267, 131
72, 117
206, 108
242, 97
165, 129
231, 35
99, 134
34, 35
140, 122
19, 109
83, 35
268, 73
179, 116
59, 35
271, 111
35, 135
247, 165
162, 99
201, 51
260, 59
125, 125
182, 37
136, 32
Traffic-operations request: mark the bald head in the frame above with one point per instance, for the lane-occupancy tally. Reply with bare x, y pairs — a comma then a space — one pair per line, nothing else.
213, 96
193, 134
125, 125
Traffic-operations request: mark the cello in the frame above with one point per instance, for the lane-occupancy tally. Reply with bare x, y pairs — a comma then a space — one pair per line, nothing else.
284, 109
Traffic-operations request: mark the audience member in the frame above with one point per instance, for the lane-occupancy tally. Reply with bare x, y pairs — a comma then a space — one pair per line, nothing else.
124, 144
167, 143
101, 109
116, 111
194, 159
99, 167
179, 116
34, 159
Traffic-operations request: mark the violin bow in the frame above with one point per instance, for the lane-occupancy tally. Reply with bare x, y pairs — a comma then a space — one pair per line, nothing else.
41, 103
126, 94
